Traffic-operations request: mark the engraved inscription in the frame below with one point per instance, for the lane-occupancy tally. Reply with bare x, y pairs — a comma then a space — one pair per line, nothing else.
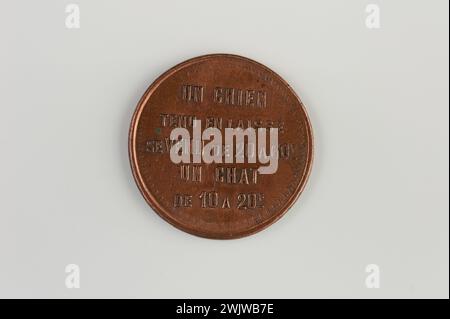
182, 200
192, 93
186, 121
244, 201
209, 199
250, 200
238, 97
234, 175
191, 173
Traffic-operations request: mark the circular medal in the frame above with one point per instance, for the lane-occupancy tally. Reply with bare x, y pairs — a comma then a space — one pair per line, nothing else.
220, 146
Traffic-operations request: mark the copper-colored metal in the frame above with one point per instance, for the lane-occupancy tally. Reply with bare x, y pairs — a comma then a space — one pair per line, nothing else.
221, 201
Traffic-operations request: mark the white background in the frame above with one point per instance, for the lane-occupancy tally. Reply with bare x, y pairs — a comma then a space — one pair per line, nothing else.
378, 193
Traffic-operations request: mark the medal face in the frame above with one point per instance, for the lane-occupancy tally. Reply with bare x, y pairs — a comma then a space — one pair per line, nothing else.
220, 146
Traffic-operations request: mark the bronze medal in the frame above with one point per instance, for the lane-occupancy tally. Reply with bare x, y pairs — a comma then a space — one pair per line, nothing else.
186, 156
